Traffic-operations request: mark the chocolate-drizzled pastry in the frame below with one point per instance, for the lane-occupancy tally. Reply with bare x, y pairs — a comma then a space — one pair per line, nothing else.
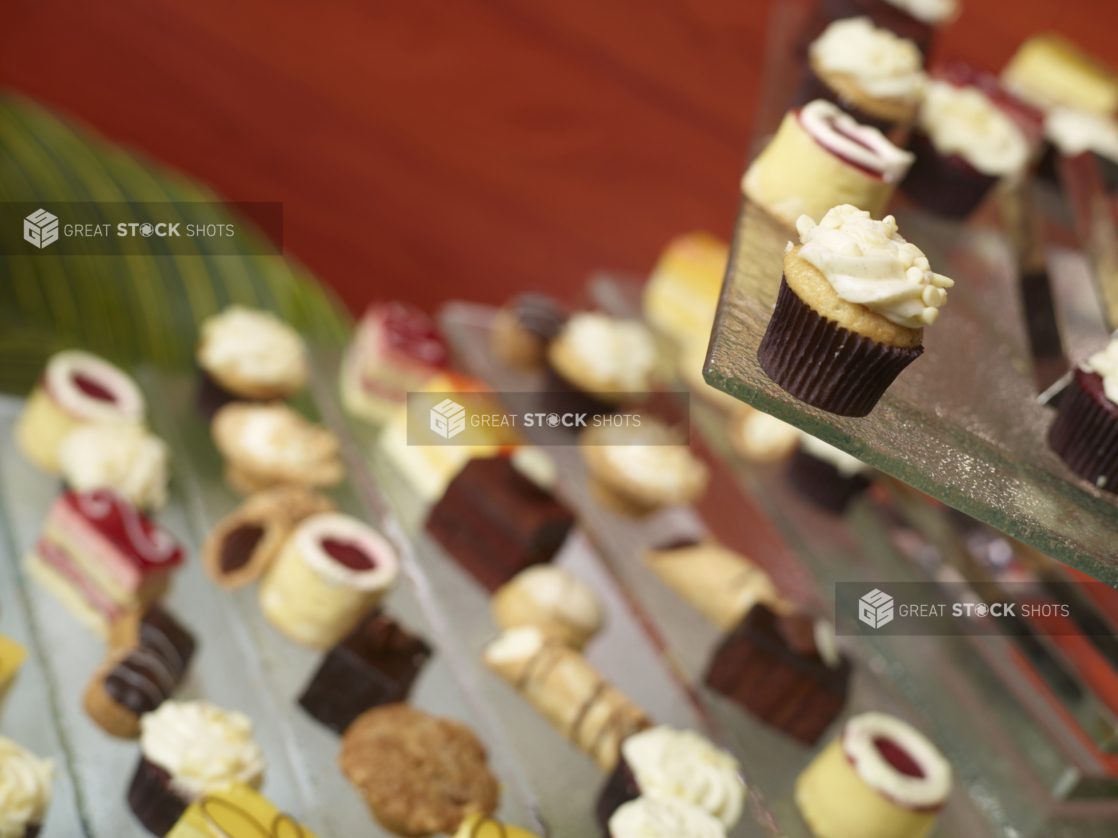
522, 330
246, 541
785, 670
375, 665
150, 656
566, 689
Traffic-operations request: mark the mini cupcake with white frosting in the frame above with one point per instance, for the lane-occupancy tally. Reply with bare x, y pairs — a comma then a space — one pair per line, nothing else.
664, 762
869, 72
608, 358
663, 817
245, 353
916, 20
25, 790
964, 143
881, 778
127, 458
77, 389
851, 311
1085, 432
187, 750
333, 570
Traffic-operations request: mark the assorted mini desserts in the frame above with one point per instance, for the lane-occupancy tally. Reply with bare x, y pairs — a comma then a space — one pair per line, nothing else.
636, 470
25, 790
499, 515
523, 329
376, 664
272, 445
126, 458
100, 557
553, 599
612, 361
245, 543
566, 689
330, 573
964, 143
663, 817
76, 389
1085, 431
785, 669
250, 355
875, 76
821, 158
662, 762
188, 750
419, 774
851, 311
881, 778
721, 584
236, 811
396, 350
150, 654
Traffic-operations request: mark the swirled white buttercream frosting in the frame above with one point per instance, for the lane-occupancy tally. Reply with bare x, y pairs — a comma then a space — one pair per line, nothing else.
867, 262
879, 62
1105, 363
25, 790
1074, 132
683, 764
253, 346
202, 747
964, 121
863, 145
652, 816
618, 351
126, 458
932, 12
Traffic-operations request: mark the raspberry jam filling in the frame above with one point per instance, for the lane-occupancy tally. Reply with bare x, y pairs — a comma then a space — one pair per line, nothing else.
348, 554
92, 389
834, 127
898, 757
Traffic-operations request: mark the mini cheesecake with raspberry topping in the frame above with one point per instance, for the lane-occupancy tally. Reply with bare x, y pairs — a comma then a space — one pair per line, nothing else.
77, 389
881, 778
821, 158
332, 571
397, 348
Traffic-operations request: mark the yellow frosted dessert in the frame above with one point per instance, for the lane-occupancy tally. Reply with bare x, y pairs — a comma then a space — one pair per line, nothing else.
682, 292
12, 656
236, 812
483, 826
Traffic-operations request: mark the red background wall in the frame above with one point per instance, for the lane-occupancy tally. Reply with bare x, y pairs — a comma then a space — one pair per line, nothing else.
428, 150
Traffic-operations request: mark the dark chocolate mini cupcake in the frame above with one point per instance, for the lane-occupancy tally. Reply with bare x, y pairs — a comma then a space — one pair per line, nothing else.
523, 329
375, 665
826, 476
189, 749
785, 670
1085, 433
964, 144
850, 312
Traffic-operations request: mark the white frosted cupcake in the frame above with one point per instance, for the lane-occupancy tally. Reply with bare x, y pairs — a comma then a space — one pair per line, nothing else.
663, 817
252, 354
187, 750
606, 357
25, 790
76, 389
126, 458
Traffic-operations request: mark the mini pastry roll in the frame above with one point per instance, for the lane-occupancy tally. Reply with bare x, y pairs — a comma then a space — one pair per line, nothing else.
720, 583
76, 389
552, 598
245, 542
562, 685
881, 779
332, 571
149, 658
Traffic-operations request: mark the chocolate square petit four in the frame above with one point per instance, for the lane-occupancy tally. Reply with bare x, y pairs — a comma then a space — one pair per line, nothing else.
375, 665
783, 669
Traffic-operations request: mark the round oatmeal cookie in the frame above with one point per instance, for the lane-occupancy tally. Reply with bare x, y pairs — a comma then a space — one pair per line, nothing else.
419, 774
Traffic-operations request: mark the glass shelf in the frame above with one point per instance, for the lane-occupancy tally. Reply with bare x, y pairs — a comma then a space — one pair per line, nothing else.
962, 424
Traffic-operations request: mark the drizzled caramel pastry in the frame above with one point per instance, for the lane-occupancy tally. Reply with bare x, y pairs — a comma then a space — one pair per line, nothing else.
272, 445
149, 658
566, 689
332, 571
419, 774
238, 811
245, 542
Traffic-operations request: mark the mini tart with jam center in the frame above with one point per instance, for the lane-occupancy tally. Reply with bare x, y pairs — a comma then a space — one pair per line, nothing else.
850, 313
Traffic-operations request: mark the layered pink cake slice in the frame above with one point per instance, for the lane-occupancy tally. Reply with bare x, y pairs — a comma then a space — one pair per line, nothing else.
100, 556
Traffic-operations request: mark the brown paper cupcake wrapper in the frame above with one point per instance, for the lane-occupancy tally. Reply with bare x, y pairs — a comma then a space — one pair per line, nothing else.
1085, 435
824, 364
943, 184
